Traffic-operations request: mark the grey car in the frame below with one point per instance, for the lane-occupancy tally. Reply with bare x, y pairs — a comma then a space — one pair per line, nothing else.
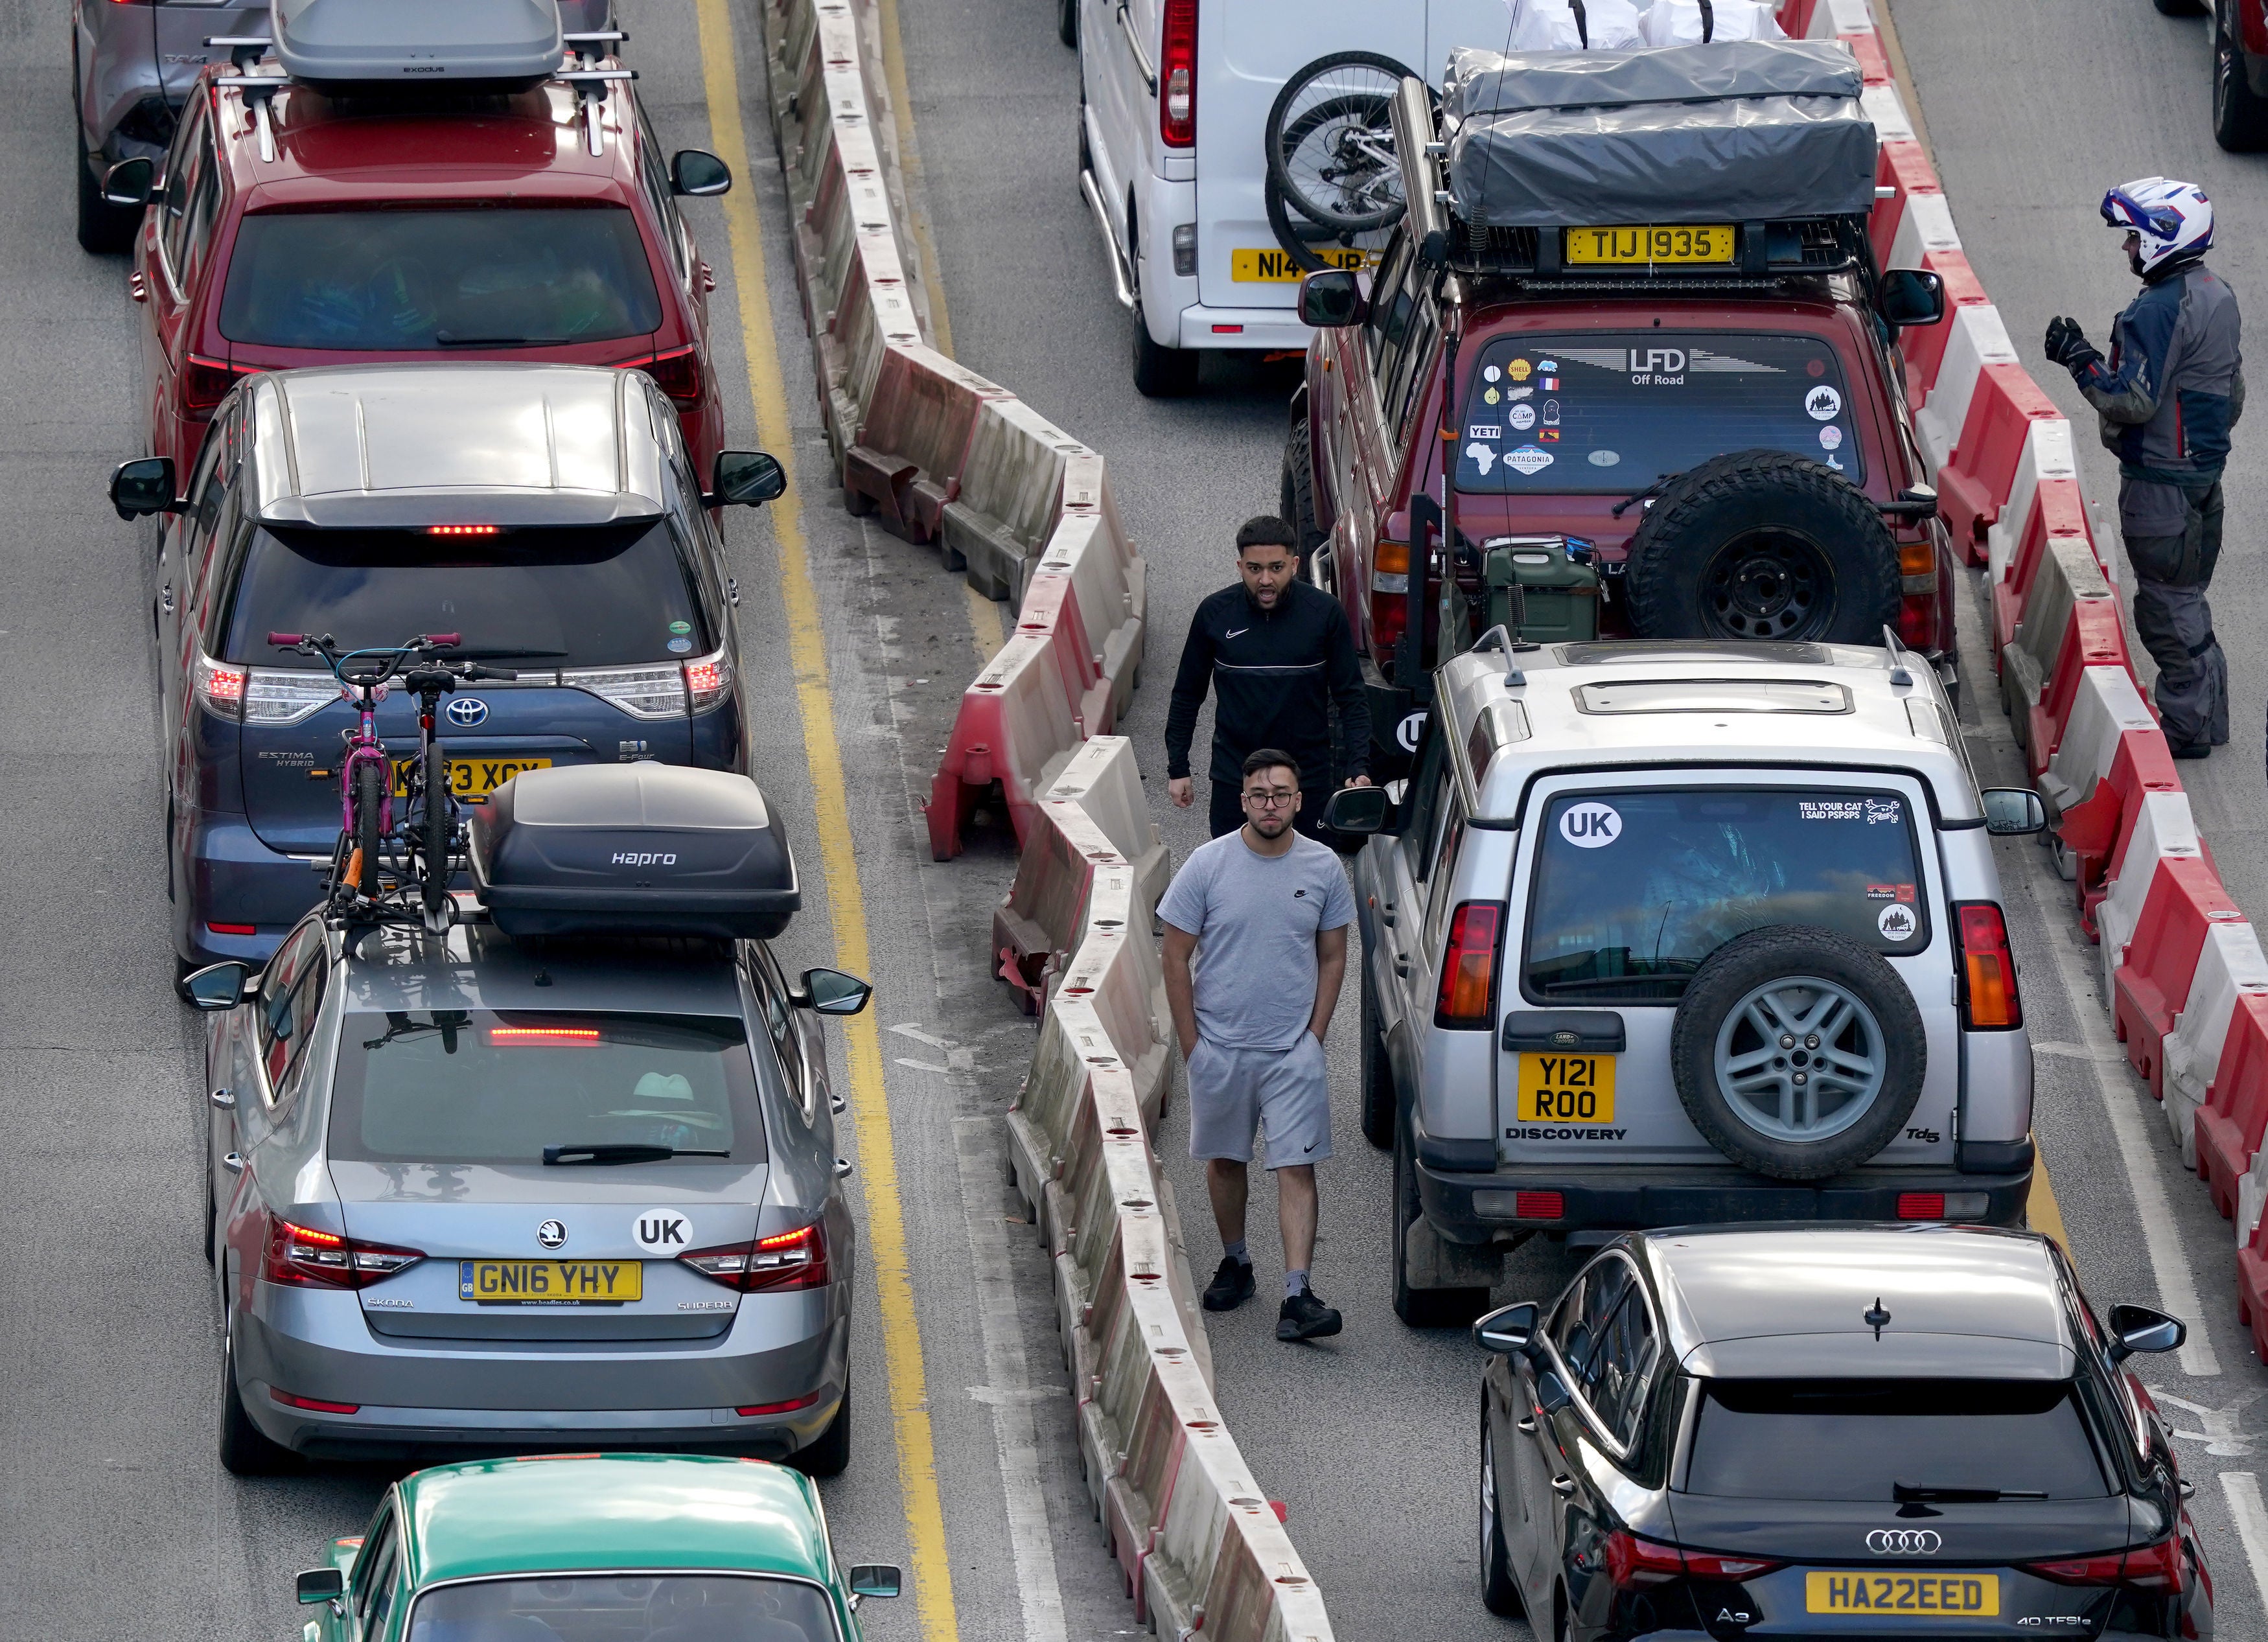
562, 1175
132, 64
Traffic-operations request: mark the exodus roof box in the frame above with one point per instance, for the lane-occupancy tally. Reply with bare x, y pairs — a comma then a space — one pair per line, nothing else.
640, 849
342, 46
1732, 132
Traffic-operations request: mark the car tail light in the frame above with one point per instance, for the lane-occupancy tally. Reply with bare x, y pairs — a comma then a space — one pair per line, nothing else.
641, 692
299, 1257
2156, 1567
221, 687
1539, 1205
790, 1260
543, 1037
756, 1409
1177, 75
232, 929
1467, 999
1989, 1001
1917, 565
313, 1405
707, 680
464, 530
1921, 1205
677, 373
1917, 618
280, 696
1633, 1564
205, 383
1389, 590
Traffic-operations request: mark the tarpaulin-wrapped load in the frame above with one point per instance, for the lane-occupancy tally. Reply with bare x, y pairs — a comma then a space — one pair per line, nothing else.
1732, 131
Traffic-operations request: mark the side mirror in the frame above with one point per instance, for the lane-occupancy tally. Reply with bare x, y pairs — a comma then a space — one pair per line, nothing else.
875, 1578
321, 1585
696, 171
1912, 296
745, 479
2013, 811
1510, 1330
1551, 1394
1331, 299
142, 487
2139, 1329
832, 992
216, 987
1356, 809
131, 182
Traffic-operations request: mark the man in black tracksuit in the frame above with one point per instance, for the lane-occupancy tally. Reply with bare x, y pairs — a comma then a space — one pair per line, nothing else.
1277, 655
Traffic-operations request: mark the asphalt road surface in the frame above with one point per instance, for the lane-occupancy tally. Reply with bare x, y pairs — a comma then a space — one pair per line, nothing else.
114, 1516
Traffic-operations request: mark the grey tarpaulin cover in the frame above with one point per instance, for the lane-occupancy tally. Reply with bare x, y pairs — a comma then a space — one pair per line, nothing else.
412, 42
1736, 131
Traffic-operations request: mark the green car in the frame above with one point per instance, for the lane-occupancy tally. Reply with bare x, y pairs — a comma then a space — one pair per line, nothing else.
593, 1548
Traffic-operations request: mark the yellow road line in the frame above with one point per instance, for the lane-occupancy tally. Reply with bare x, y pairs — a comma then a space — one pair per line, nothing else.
886, 1226
2042, 1212
988, 626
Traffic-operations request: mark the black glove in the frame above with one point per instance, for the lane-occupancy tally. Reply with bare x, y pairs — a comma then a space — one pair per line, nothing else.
2068, 347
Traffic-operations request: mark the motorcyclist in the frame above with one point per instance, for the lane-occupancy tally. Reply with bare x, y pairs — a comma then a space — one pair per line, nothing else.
2169, 396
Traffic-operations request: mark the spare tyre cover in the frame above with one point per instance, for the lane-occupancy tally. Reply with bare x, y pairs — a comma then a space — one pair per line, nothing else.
1763, 544
1797, 1052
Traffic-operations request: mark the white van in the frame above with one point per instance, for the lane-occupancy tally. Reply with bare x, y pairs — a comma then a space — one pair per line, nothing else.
1174, 100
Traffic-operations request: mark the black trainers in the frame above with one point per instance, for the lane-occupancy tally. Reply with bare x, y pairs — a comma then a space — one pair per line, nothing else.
1304, 1317
1231, 1285
2191, 749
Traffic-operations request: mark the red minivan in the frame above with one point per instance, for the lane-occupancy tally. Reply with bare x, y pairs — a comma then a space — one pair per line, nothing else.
294, 228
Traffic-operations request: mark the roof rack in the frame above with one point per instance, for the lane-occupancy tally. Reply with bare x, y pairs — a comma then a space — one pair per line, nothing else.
577, 66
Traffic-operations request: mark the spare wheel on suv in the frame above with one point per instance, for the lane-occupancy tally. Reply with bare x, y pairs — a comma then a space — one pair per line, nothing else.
1797, 1052
1762, 545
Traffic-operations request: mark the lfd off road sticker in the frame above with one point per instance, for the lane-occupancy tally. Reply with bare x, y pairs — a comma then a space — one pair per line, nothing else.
1897, 922
1590, 826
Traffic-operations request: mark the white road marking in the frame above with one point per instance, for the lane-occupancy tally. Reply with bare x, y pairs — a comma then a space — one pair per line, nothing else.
2220, 1435
2243, 1491
922, 1065
2177, 1289
1008, 1392
908, 1029
2073, 1051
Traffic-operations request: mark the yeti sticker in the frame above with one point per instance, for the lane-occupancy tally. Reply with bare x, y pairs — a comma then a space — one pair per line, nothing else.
1590, 826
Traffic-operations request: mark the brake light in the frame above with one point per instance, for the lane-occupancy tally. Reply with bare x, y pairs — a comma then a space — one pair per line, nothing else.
300, 1256
221, 687
1467, 1000
313, 1405
1177, 75
1539, 1205
205, 383
1917, 618
1389, 588
707, 680
516, 1037
789, 1260
756, 1409
1921, 1205
232, 929
464, 530
653, 692
1633, 1564
2141, 1567
676, 373
1989, 1001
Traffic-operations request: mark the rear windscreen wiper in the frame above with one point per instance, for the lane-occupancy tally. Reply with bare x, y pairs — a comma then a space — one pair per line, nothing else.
620, 1152
450, 339
1591, 983
498, 655
1914, 1494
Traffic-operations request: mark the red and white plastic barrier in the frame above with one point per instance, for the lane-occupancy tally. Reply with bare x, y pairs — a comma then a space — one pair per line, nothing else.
2229, 965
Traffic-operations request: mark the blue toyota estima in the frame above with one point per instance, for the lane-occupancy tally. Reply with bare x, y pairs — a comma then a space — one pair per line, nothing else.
548, 514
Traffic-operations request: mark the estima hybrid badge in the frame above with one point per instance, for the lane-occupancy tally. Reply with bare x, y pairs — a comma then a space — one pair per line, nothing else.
551, 1234
1903, 1541
466, 710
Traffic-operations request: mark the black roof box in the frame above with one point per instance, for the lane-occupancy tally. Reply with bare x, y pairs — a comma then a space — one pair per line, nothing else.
640, 849
361, 46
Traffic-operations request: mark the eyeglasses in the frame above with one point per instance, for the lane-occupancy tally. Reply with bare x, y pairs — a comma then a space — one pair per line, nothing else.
1273, 800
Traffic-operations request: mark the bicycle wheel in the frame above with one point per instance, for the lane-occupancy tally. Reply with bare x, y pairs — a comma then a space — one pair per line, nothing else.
1296, 234
436, 826
369, 800
1330, 141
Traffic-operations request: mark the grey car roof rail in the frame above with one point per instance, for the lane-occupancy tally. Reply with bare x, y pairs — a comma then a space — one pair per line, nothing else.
243, 50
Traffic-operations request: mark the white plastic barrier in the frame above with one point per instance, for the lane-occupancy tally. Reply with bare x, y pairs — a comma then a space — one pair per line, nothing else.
2164, 829
1104, 781
1979, 339
2107, 706
2229, 963
2047, 455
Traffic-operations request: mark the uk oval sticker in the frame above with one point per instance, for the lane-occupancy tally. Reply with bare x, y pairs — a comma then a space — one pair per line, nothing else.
662, 1232
1590, 826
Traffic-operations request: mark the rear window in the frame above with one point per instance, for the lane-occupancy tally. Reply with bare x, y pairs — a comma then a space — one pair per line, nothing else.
624, 1608
474, 1086
1634, 890
1610, 412
391, 281
1856, 1440
592, 596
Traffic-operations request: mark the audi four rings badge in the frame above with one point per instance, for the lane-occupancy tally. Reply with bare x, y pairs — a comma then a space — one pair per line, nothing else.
1903, 1541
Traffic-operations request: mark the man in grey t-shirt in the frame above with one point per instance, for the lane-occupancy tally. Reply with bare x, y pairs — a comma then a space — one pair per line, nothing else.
1265, 912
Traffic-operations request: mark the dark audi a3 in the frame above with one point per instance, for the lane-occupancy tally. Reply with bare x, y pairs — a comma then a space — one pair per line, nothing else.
1913, 1430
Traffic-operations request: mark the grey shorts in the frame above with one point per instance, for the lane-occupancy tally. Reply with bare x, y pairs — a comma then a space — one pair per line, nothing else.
1234, 1094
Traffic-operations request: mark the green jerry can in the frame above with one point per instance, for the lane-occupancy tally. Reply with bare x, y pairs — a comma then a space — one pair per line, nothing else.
1539, 591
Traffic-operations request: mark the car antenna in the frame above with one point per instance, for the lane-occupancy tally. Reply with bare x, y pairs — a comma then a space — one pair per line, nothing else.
1898, 673
1877, 1318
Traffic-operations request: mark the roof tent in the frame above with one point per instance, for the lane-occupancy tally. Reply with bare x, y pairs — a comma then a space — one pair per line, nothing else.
1733, 131
346, 46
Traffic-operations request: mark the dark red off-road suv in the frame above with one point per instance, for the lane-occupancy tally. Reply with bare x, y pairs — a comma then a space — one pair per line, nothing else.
293, 227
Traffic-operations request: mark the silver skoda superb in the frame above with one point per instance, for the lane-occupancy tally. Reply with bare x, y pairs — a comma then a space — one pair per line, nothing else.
564, 1176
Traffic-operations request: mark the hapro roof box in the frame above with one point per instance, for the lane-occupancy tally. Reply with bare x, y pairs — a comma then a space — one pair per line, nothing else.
640, 849
1733, 131
343, 46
